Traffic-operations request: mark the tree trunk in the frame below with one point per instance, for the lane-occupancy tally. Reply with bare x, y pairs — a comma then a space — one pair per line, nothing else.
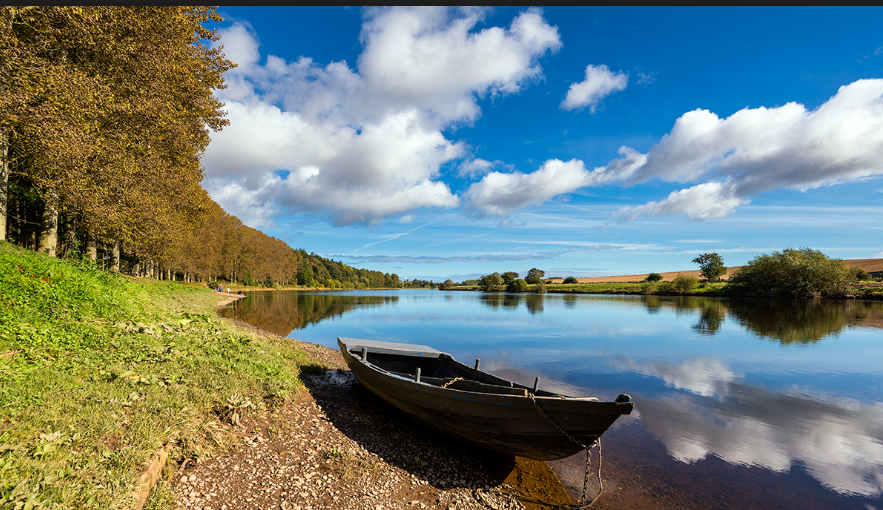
70, 235
91, 248
49, 225
4, 182
115, 257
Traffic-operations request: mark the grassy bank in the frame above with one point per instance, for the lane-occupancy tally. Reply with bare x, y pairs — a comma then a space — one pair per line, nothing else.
98, 371
703, 289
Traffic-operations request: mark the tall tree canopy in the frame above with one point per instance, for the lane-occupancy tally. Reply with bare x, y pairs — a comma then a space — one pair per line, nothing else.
105, 113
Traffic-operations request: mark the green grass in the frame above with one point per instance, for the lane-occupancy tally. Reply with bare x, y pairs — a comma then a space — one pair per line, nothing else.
97, 371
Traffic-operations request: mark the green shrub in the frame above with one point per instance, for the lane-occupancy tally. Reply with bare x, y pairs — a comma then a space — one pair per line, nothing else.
653, 277
490, 282
571, 279
683, 283
860, 274
803, 273
665, 288
517, 285
649, 287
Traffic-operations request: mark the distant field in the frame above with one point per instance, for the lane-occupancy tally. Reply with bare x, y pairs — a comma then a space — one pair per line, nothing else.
869, 265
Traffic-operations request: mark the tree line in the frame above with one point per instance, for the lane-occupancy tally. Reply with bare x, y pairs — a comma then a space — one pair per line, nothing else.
797, 273
105, 113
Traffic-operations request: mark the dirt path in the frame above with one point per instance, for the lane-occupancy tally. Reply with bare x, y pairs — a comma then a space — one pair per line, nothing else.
340, 447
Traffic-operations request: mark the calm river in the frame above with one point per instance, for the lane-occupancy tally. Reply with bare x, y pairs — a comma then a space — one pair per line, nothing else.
740, 403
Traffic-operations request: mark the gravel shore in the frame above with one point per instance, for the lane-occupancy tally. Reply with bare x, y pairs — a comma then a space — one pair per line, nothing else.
337, 446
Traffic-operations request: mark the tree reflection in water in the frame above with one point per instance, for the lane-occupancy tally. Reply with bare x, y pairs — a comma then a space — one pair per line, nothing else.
282, 312
788, 321
534, 302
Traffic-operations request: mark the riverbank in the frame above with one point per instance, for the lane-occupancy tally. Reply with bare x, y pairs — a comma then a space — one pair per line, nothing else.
102, 372
862, 290
338, 446
112, 384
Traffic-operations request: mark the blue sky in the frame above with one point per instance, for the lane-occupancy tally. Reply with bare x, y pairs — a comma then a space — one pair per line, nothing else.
451, 143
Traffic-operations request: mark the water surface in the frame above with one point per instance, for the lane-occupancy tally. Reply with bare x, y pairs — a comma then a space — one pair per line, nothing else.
740, 403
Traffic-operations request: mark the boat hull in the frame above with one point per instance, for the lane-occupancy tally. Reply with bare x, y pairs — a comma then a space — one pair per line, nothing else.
508, 423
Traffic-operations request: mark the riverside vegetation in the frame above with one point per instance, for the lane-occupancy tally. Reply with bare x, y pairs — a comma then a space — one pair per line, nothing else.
99, 370
796, 273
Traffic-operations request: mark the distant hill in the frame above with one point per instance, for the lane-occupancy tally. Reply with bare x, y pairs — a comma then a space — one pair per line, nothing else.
872, 266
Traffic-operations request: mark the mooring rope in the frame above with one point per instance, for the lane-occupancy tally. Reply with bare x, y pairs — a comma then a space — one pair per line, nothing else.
452, 381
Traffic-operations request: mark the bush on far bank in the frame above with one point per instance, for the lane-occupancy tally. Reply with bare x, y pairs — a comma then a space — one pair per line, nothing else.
682, 284
803, 273
517, 285
860, 274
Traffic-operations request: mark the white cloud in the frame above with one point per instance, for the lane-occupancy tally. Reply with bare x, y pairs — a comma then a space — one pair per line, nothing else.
367, 145
701, 202
878, 51
501, 193
425, 58
475, 167
599, 82
758, 150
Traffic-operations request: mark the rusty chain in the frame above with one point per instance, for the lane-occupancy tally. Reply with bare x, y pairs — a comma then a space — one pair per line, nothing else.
588, 450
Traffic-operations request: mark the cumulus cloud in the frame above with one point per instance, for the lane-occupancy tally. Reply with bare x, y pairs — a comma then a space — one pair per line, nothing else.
600, 82
423, 57
757, 150
701, 202
501, 193
364, 145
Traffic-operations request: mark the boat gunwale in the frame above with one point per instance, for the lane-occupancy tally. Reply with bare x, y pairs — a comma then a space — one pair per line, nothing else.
523, 398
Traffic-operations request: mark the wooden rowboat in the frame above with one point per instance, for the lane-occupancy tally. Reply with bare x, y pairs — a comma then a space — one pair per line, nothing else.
442, 394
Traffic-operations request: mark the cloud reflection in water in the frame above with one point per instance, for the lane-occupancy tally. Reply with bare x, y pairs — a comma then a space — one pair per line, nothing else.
840, 442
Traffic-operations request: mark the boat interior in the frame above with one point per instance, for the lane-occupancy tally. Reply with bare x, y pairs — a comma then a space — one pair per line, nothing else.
445, 371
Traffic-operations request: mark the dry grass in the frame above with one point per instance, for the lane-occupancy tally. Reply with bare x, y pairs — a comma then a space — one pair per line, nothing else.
869, 265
